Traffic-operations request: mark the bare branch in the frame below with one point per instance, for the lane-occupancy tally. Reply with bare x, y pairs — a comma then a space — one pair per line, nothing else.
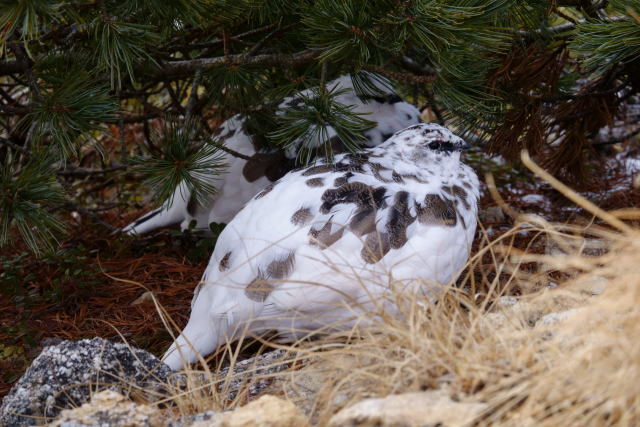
82, 172
407, 77
10, 66
184, 68
228, 150
21, 149
193, 96
561, 28
618, 140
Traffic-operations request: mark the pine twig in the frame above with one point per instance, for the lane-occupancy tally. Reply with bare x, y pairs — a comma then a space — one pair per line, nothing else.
618, 140
82, 172
21, 149
21, 55
227, 150
174, 97
70, 206
561, 28
193, 96
187, 67
407, 77
279, 29
323, 78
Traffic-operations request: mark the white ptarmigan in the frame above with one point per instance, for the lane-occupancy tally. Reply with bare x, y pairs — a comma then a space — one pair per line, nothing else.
242, 179
321, 244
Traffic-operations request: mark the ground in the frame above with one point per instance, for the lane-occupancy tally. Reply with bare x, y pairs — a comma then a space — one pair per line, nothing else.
97, 283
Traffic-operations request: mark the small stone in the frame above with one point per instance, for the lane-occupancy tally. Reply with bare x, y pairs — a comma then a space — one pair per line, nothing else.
491, 214
258, 372
507, 301
597, 285
533, 199
267, 411
145, 297
109, 408
553, 318
571, 247
636, 181
409, 409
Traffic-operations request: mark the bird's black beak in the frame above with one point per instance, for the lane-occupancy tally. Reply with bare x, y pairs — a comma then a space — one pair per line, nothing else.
465, 146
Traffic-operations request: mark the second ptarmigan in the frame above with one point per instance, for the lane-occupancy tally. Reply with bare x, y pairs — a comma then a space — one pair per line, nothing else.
322, 244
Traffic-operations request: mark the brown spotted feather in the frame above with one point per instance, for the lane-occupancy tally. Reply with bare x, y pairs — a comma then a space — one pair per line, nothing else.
436, 210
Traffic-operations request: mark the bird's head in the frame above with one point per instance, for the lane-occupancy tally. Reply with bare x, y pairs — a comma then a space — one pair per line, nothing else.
429, 142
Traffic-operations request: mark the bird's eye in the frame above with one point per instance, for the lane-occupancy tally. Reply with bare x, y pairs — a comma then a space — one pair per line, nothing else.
434, 145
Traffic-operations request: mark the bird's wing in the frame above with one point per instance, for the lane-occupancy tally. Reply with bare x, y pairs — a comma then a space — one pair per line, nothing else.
359, 210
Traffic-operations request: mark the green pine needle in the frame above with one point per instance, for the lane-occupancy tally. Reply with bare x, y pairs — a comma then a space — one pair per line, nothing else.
183, 159
235, 87
26, 16
118, 45
307, 127
69, 113
25, 199
172, 12
342, 29
366, 84
606, 44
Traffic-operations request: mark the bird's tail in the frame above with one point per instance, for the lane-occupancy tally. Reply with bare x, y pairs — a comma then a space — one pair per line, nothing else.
164, 216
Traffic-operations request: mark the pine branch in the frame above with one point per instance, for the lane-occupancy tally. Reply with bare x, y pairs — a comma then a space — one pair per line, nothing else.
186, 68
21, 55
71, 171
277, 31
21, 149
562, 28
193, 97
618, 140
219, 42
230, 151
11, 66
399, 76
175, 69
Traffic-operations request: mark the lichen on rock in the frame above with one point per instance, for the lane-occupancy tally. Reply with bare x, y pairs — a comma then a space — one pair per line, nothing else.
65, 376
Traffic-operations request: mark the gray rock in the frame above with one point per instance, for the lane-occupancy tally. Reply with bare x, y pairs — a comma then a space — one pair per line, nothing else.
65, 375
558, 317
507, 301
110, 409
491, 214
256, 372
418, 409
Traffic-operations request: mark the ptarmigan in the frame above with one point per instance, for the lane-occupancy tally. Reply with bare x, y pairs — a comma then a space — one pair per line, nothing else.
319, 245
243, 179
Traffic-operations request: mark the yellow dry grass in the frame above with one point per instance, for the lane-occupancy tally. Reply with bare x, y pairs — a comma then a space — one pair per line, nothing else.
551, 357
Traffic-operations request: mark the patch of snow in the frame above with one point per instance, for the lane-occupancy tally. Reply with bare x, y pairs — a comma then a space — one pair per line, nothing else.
534, 199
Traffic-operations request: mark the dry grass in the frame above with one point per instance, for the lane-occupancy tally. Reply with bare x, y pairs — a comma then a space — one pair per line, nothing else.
473, 344
528, 370
563, 356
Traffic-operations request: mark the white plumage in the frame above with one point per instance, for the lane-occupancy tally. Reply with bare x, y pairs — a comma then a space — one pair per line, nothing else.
323, 242
242, 179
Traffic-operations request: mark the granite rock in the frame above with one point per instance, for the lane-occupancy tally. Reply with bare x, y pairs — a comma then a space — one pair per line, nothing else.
267, 411
419, 409
109, 408
65, 375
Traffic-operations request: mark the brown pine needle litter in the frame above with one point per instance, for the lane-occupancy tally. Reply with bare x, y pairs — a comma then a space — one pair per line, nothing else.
542, 328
